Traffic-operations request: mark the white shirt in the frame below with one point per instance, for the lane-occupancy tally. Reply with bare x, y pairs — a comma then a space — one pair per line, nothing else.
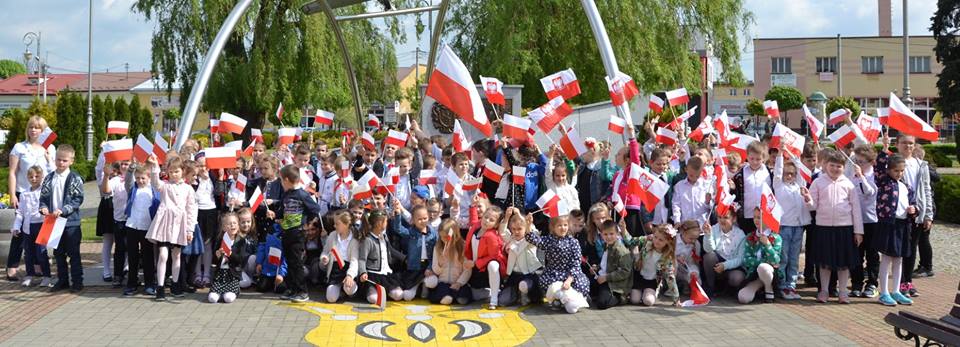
911, 174
343, 245
753, 182
728, 245
140, 211
404, 190
603, 264
58, 182
903, 201
384, 255
119, 191
205, 194
28, 212
690, 201
866, 188
30, 156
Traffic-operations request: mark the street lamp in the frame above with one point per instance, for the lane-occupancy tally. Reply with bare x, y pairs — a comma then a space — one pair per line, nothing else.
28, 39
89, 131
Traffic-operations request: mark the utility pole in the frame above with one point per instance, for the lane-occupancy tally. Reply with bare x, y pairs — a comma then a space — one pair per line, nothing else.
126, 69
416, 69
90, 84
906, 58
839, 67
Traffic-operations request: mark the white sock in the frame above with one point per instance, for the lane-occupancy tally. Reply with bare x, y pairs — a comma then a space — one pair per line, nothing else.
884, 274
333, 293
106, 254
213, 298
229, 297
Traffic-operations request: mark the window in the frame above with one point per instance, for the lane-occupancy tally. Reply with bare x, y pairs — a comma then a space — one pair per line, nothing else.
746, 92
920, 64
781, 65
826, 64
733, 91
871, 64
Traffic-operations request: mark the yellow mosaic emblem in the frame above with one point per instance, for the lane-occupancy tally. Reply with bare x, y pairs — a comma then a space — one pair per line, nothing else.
415, 323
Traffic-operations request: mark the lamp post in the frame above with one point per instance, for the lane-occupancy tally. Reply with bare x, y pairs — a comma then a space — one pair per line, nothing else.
28, 39
90, 84
819, 101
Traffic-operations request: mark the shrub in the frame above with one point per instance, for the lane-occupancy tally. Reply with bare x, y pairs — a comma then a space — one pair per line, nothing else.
85, 169
946, 194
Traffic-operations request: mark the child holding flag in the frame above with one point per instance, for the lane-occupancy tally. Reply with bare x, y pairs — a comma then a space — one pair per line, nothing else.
230, 257
789, 189
484, 250
451, 271
561, 271
298, 207
896, 204
522, 261
173, 226
28, 222
271, 275
341, 246
761, 259
61, 195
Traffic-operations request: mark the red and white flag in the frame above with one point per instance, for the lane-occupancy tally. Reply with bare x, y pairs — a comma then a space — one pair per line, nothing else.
698, 296
118, 127
791, 141
771, 108
572, 145
143, 149
870, 127
273, 256
368, 141
563, 84
220, 157
652, 189
705, 128
323, 117
160, 147
656, 103
725, 202
256, 135
337, 257
451, 86
364, 187
837, 116
739, 142
548, 115
549, 202
515, 127
802, 170
493, 88
492, 170
47, 137
299, 134
666, 136
248, 152
396, 138
256, 200
452, 184
51, 231
214, 126
903, 119
381, 297
722, 126
883, 114
232, 124
678, 97
619, 206
617, 125
460, 141
677, 122
472, 184
279, 112
117, 150
843, 136
287, 135
226, 246
428, 177
241, 183
373, 121
519, 175
770, 211
622, 88
816, 127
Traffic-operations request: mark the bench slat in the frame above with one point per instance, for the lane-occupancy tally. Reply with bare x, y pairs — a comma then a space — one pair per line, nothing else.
924, 327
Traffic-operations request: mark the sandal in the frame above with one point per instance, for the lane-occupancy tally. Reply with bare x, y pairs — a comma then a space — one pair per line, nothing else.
768, 297
822, 297
844, 299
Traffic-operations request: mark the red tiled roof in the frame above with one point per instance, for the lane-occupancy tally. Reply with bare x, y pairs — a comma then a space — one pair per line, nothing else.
102, 82
111, 81
20, 84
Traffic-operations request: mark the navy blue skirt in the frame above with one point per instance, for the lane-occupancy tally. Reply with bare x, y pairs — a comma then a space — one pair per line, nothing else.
893, 239
105, 223
834, 247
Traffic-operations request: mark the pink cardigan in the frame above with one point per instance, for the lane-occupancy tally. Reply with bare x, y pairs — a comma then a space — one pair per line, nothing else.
836, 202
632, 202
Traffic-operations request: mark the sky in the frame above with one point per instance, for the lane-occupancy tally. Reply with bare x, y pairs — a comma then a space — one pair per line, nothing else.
122, 37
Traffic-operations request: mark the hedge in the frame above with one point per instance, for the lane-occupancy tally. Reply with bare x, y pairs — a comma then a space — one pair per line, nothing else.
946, 194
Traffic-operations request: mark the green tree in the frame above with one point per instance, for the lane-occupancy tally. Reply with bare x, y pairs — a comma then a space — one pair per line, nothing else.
839, 102
140, 122
121, 111
44, 110
99, 123
70, 111
945, 28
276, 54
755, 107
108, 113
11, 67
521, 41
14, 120
787, 98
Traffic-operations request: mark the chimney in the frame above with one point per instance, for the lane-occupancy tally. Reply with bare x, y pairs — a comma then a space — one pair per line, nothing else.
884, 9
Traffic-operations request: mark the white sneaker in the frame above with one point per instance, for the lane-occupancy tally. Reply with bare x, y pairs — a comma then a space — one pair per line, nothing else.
27, 282
46, 283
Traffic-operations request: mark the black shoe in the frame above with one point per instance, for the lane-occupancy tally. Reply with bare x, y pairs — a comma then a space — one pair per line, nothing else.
187, 288
286, 295
76, 288
150, 290
177, 289
161, 296
60, 286
108, 279
129, 291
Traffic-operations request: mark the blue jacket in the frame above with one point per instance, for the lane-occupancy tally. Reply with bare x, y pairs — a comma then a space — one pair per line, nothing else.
535, 171
72, 197
412, 241
263, 250
154, 203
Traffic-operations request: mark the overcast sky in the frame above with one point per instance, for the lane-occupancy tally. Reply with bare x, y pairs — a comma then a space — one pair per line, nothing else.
123, 37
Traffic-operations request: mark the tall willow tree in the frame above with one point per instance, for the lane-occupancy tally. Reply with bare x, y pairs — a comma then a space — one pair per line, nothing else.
276, 54
520, 41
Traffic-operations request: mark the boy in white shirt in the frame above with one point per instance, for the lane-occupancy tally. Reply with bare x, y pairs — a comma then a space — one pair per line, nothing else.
692, 196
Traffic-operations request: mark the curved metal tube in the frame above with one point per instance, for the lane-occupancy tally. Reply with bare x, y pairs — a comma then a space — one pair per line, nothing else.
209, 62
606, 53
351, 76
435, 40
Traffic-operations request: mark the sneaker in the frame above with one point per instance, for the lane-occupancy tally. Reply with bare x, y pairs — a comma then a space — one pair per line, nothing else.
60, 286
791, 294
768, 297
901, 299
46, 282
913, 291
108, 278
129, 291
886, 300
161, 294
76, 288
923, 272
869, 292
904, 288
856, 293
287, 295
117, 282
151, 291
27, 282
299, 298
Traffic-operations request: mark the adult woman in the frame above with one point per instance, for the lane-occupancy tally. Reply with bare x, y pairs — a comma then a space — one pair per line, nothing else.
24, 155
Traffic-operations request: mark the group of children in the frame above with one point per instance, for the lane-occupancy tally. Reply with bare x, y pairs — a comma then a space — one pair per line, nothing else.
419, 230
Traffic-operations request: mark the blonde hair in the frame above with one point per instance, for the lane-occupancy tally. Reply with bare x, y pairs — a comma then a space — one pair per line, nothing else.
34, 122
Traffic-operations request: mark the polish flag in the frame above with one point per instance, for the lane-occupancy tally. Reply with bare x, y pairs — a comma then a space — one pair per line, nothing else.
117, 128
452, 183
698, 297
373, 121
323, 117
236, 145
870, 126
802, 170
617, 125
255, 200
337, 257
492, 170
51, 231
279, 112
493, 88
771, 108
633, 180
837, 116
622, 88
656, 103
666, 136
725, 202
705, 128
563, 84
519, 175
143, 149
843, 136
572, 145
232, 124
883, 114
220, 157
770, 211
652, 188
618, 206
381, 300
678, 97
241, 183
677, 122
226, 246
117, 150
739, 142
298, 135
368, 141
451, 86
160, 147
515, 127
214, 126
722, 125
548, 115
720, 154
901, 118
287, 135
791, 141
472, 184
248, 152
396, 138
460, 141
256, 135
816, 127
364, 187
47, 137
549, 202
428, 177
273, 256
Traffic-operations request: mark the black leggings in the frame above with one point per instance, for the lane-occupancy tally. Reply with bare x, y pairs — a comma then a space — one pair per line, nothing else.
605, 298
140, 255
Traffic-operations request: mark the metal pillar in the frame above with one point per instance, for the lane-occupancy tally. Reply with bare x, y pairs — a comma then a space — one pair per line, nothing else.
906, 58
839, 67
606, 54
203, 77
435, 41
89, 131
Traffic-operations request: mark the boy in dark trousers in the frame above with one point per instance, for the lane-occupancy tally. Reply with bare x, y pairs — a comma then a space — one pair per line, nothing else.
296, 208
61, 195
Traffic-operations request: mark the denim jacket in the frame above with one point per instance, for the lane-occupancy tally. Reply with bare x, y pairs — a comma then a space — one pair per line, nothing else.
412, 241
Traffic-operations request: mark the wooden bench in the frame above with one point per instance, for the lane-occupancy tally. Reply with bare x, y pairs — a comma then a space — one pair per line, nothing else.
936, 332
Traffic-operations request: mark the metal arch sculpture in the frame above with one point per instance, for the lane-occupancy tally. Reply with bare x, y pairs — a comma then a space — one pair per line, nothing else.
213, 54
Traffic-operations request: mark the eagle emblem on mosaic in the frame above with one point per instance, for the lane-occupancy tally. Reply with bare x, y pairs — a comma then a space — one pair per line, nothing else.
416, 322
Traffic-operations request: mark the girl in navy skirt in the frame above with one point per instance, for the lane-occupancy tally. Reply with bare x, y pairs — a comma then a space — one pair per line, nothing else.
895, 207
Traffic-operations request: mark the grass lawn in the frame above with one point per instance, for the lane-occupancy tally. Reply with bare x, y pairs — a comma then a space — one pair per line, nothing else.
88, 226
